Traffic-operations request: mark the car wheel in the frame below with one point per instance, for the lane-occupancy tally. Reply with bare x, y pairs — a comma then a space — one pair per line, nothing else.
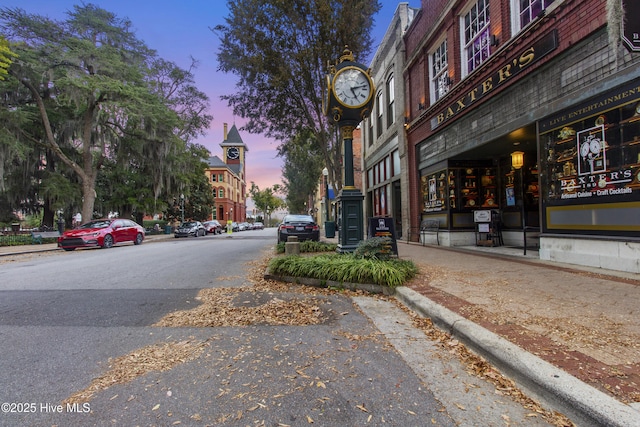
107, 242
139, 239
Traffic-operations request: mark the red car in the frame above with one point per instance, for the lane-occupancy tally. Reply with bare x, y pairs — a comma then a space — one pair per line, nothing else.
213, 227
103, 233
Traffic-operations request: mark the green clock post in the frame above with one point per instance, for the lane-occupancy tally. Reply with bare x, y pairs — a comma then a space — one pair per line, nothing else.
349, 100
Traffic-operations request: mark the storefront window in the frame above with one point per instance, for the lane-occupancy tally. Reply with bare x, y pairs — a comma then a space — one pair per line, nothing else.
434, 191
596, 159
590, 165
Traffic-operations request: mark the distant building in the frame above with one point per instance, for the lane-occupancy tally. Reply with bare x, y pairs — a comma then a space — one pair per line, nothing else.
384, 142
227, 178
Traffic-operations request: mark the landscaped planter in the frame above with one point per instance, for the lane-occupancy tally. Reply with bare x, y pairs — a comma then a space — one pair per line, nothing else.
319, 283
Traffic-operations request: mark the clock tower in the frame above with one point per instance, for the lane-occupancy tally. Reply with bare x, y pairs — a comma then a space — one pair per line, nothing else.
226, 174
233, 148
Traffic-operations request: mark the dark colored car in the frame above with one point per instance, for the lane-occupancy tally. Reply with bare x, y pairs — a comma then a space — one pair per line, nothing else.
190, 228
102, 233
302, 226
213, 226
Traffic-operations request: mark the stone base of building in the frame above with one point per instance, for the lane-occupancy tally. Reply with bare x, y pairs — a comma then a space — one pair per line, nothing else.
578, 250
607, 254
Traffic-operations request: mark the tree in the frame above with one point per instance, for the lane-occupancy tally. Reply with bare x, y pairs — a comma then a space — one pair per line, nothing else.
6, 57
279, 51
92, 74
266, 200
127, 115
301, 170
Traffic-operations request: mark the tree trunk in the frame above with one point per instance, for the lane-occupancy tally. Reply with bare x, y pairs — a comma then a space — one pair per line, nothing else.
88, 199
48, 214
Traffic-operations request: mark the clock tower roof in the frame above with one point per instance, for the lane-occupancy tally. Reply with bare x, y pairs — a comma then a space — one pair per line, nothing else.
232, 138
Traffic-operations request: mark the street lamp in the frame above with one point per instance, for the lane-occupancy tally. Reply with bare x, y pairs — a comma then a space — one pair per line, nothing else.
325, 174
182, 205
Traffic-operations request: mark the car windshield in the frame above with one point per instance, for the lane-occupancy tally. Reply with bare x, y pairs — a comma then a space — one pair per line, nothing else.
298, 218
96, 224
189, 224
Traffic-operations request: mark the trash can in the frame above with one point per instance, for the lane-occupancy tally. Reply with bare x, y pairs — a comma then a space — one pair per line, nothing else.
167, 229
329, 229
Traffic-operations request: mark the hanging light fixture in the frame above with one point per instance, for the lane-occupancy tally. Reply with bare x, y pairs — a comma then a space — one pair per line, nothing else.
517, 159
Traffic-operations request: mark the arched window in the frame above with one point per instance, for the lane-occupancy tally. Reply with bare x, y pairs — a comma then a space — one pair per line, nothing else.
221, 193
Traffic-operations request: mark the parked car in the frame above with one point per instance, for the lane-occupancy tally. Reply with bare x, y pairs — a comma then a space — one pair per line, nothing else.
190, 228
235, 227
258, 226
102, 233
302, 226
213, 226
243, 226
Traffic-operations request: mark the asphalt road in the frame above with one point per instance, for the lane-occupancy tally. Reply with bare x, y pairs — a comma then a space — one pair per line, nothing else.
65, 317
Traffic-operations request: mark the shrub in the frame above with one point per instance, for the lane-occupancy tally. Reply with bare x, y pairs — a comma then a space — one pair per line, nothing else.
310, 246
374, 248
346, 268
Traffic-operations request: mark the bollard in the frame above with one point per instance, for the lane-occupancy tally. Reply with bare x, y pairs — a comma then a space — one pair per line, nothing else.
292, 246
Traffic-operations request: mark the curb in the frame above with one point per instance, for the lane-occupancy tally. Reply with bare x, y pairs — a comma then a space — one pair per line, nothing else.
583, 404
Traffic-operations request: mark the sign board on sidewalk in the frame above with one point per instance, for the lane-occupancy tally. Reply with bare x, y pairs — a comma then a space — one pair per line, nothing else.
383, 227
482, 216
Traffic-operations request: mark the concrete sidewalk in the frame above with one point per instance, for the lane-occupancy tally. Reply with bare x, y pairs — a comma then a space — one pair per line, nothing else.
568, 336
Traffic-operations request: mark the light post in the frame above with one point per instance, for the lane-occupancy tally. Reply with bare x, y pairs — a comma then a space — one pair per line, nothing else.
329, 226
517, 162
325, 174
182, 206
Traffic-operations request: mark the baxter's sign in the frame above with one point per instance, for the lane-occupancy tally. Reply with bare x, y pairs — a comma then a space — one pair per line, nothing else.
509, 70
631, 25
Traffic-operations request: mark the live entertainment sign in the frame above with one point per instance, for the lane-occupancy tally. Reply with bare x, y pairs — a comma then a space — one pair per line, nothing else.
631, 25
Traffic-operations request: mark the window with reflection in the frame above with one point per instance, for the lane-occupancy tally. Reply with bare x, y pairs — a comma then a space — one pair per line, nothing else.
439, 72
476, 35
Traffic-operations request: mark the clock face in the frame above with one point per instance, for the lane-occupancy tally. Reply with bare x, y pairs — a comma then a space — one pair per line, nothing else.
584, 149
595, 146
233, 153
352, 87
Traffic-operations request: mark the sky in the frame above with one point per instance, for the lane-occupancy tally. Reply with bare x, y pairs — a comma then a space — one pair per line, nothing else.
179, 30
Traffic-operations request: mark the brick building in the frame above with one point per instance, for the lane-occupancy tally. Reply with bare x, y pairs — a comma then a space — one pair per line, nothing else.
525, 115
227, 178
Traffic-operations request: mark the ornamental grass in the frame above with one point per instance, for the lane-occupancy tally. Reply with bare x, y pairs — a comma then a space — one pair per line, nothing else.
345, 268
